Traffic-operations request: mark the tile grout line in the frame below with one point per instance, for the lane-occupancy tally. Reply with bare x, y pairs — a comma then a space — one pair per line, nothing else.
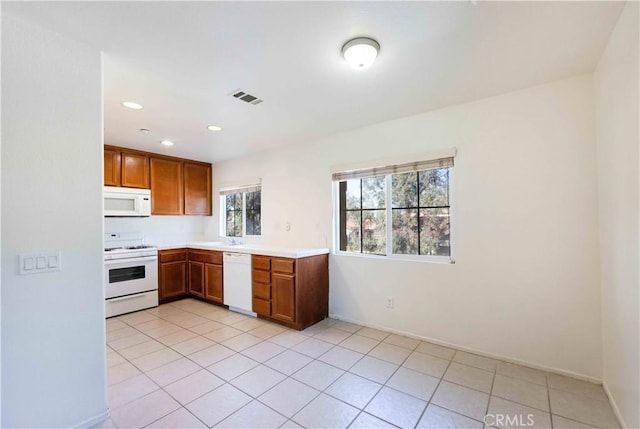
323, 391
186, 309
493, 382
546, 382
383, 385
434, 392
184, 405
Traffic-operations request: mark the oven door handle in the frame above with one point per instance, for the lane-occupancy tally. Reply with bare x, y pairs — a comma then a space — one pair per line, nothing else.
122, 298
131, 261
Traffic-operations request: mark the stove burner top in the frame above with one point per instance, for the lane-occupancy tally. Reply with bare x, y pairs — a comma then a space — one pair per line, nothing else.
141, 246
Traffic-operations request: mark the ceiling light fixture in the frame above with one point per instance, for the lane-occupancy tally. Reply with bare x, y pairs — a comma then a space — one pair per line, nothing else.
166, 142
132, 105
361, 52
214, 128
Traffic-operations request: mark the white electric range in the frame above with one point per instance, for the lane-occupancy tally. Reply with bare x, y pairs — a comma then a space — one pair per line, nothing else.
130, 273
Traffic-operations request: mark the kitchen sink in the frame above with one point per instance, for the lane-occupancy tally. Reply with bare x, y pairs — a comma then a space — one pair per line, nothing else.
245, 246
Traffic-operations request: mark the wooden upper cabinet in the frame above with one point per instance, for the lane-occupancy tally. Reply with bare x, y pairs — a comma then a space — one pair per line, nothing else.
111, 167
135, 170
178, 186
166, 187
197, 189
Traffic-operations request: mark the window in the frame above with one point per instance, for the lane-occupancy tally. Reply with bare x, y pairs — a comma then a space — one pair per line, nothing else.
363, 215
396, 210
241, 211
420, 212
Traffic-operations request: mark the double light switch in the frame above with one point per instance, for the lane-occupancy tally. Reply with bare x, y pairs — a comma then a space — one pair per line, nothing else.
33, 263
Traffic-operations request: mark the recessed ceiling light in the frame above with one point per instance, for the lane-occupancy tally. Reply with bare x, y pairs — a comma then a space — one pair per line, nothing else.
132, 105
167, 142
214, 128
360, 53
144, 130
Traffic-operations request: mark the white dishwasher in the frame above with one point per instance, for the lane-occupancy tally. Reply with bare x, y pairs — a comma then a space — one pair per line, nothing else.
237, 282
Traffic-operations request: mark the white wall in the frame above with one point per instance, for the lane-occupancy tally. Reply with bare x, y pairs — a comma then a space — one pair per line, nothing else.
525, 283
162, 229
616, 95
53, 336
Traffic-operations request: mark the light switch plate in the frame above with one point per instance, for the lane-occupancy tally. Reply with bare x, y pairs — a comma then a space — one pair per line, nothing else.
35, 263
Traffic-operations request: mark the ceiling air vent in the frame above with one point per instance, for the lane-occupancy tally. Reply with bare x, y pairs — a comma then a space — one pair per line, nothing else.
246, 97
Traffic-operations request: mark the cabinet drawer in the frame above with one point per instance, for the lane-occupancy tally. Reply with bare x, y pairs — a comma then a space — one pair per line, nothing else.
172, 255
262, 306
263, 277
208, 256
286, 266
261, 291
261, 262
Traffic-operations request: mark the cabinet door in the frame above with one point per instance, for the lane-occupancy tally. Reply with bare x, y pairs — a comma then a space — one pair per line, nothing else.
166, 187
283, 297
135, 170
213, 282
173, 280
197, 189
111, 167
196, 278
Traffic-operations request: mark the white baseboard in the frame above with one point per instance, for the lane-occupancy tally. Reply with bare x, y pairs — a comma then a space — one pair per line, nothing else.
474, 351
93, 421
614, 405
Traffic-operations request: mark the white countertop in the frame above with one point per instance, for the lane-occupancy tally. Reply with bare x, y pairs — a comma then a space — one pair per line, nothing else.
257, 249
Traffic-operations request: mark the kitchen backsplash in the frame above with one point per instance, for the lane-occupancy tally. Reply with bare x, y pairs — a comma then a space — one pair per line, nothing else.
161, 229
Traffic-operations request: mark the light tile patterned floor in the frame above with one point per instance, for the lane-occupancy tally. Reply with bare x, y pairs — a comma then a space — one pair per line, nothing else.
190, 364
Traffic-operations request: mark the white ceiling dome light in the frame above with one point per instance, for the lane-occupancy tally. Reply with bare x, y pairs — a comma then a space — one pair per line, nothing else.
166, 143
361, 52
132, 105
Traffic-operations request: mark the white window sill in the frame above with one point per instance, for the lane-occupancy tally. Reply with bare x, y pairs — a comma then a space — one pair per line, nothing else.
445, 260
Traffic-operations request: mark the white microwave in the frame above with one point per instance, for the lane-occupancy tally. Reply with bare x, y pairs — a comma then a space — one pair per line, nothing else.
126, 202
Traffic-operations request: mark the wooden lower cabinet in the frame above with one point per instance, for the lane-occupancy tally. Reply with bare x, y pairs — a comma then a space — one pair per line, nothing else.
196, 278
294, 292
172, 274
205, 275
213, 282
283, 289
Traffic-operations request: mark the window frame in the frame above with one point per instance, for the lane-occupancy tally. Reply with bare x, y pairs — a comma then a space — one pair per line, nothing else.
389, 227
223, 213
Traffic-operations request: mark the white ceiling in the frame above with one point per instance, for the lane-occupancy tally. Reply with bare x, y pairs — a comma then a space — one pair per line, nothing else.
180, 60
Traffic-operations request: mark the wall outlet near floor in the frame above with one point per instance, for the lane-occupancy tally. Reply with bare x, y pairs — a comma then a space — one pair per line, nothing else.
389, 302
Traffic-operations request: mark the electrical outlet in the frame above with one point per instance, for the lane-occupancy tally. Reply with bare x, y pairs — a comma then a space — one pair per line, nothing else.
287, 226
389, 302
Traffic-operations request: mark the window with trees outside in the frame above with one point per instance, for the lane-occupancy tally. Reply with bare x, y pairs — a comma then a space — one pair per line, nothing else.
241, 209
396, 210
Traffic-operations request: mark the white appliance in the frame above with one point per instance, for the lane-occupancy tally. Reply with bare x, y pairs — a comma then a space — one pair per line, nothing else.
130, 273
126, 201
237, 282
